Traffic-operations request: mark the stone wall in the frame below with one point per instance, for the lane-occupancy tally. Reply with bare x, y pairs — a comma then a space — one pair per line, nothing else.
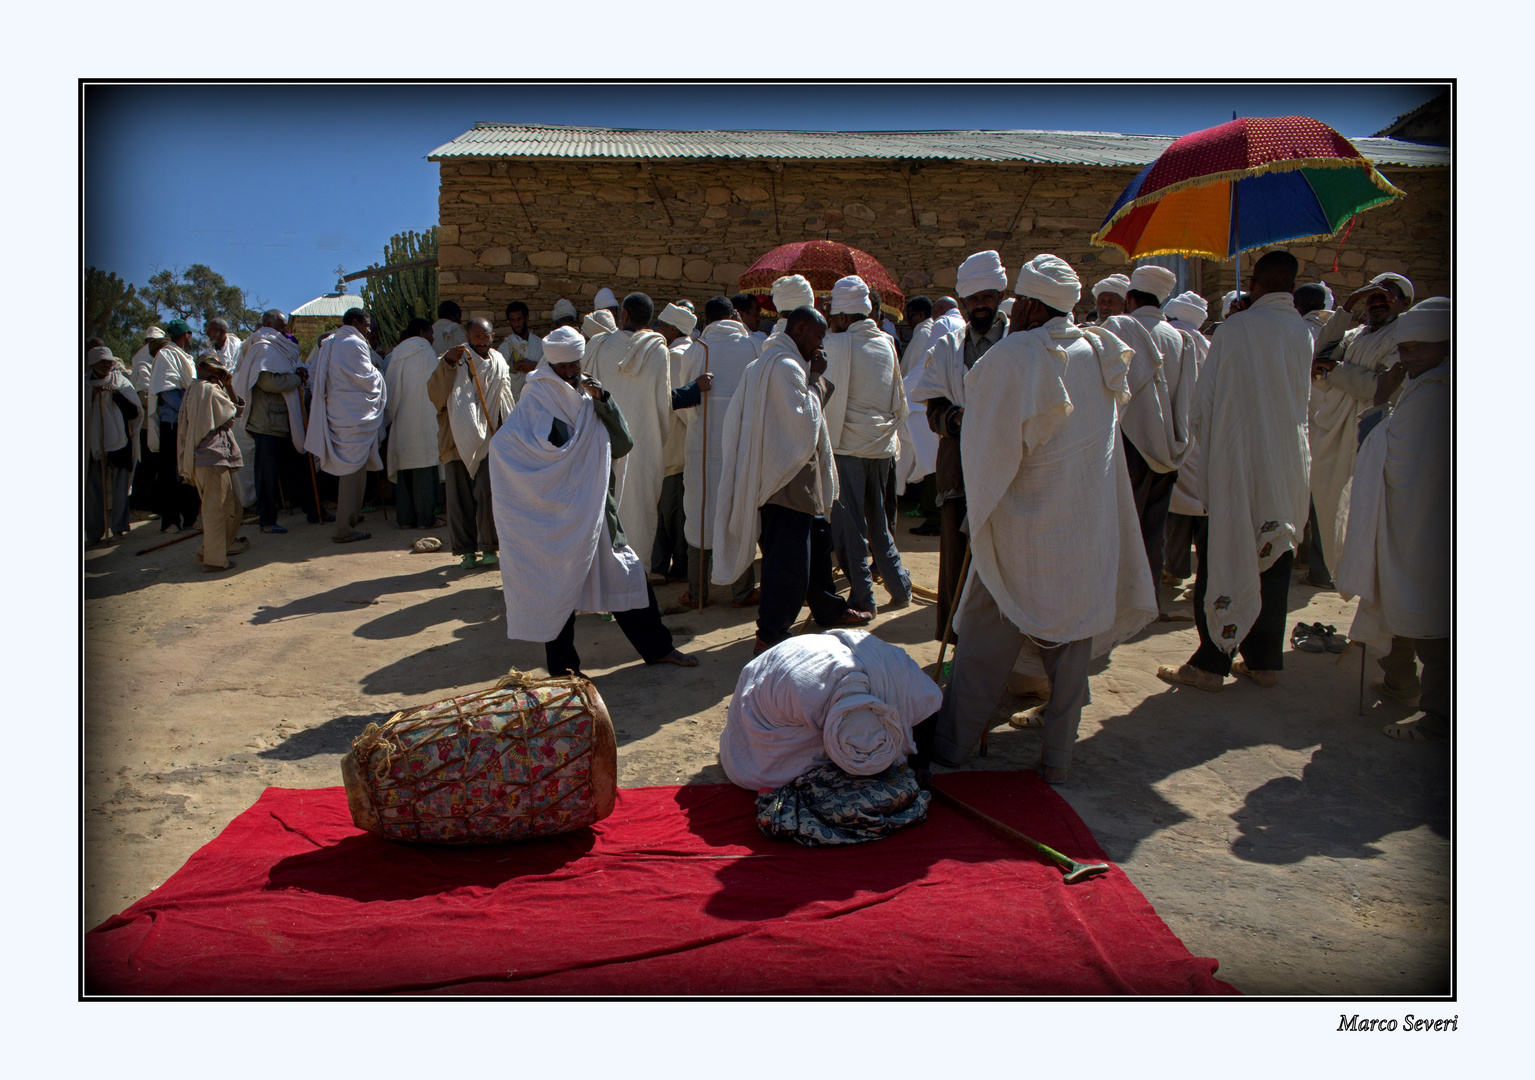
540, 230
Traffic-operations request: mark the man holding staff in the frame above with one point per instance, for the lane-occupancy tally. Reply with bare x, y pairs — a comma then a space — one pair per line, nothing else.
472, 392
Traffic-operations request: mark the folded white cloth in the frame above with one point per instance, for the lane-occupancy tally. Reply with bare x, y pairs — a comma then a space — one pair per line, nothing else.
844, 696
1050, 280
598, 323
347, 409
268, 350
980, 272
867, 409
411, 414
1162, 374
564, 345
104, 427
447, 334
681, 316
850, 296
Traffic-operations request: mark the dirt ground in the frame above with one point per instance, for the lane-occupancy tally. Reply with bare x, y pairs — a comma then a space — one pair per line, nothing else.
1276, 830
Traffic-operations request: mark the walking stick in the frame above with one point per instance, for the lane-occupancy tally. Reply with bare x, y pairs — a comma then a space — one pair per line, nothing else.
1075, 871
318, 511
703, 498
1364, 655
106, 518
168, 543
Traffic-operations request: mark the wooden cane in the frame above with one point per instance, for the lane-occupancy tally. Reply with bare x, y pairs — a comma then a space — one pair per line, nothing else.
319, 511
106, 517
168, 543
703, 496
475, 376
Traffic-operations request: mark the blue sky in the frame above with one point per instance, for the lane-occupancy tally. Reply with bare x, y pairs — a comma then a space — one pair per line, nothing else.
273, 186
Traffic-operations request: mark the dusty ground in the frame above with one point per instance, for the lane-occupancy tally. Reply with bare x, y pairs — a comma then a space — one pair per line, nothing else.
1276, 830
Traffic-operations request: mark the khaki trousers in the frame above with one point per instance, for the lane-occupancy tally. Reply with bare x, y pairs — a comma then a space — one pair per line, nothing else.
222, 511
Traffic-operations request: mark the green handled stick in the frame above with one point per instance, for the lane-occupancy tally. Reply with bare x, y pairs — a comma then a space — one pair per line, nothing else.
1075, 871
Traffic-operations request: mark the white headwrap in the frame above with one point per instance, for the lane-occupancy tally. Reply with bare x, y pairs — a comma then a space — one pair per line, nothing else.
564, 345
1400, 282
1428, 321
1117, 284
598, 322
681, 316
1188, 306
1328, 293
850, 296
790, 293
604, 298
1226, 302
564, 309
1159, 281
1050, 280
981, 271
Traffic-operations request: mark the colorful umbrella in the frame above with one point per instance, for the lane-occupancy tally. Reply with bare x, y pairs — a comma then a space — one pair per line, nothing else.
1252, 182
822, 262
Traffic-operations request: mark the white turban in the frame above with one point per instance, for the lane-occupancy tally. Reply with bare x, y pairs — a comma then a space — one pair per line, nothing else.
981, 271
598, 322
1159, 281
850, 296
1117, 284
1189, 306
564, 309
1328, 293
1226, 302
681, 316
605, 298
790, 293
564, 345
1397, 279
1429, 321
1051, 281
154, 333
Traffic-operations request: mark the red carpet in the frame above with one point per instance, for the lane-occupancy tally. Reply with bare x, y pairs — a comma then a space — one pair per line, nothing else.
675, 894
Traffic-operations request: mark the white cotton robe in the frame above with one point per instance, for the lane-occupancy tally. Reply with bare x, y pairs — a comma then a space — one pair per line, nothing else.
552, 498
347, 410
412, 416
267, 350
635, 367
173, 370
1250, 417
727, 349
865, 412
916, 349
1162, 375
1053, 530
1396, 557
843, 696
476, 377
1184, 500
773, 429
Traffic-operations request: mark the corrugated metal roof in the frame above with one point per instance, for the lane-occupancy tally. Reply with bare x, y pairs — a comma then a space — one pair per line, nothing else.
331, 304
492, 140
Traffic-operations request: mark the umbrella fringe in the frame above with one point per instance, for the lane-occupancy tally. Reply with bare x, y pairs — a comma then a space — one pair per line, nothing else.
1200, 253
1391, 190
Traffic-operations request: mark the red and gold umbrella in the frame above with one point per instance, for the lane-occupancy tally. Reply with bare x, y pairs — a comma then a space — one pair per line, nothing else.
822, 262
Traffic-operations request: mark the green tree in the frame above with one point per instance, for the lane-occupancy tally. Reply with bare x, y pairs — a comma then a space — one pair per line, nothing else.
115, 311
197, 294
394, 299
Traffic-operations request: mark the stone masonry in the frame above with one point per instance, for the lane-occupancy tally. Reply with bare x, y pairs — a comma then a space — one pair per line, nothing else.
538, 230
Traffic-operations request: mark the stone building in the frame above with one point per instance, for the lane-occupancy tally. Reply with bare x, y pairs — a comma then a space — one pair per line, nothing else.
537, 212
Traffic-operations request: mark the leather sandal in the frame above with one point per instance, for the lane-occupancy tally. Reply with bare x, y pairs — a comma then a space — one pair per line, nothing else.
1263, 678
1413, 731
680, 659
1189, 675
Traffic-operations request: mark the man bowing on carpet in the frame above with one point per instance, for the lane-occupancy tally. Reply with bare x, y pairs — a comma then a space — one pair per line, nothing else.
1057, 563
551, 470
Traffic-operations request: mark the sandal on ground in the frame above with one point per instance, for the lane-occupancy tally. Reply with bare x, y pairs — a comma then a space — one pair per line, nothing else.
853, 617
896, 603
1401, 697
1413, 731
687, 601
466, 562
759, 646
490, 559
237, 545
207, 569
752, 600
681, 659
1189, 675
273, 529
1051, 775
1332, 641
1304, 639
1026, 720
351, 539
1261, 676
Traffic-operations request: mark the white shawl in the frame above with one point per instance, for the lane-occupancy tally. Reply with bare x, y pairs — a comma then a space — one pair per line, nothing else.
141, 365
773, 429
472, 429
348, 405
1162, 378
267, 350
1250, 415
674, 454
552, 500
916, 348
1185, 501
944, 373
412, 417
1396, 557
173, 370
229, 353
635, 367
843, 696
919, 443
727, 348
104, 427
869, 404
1053, 530
447, 334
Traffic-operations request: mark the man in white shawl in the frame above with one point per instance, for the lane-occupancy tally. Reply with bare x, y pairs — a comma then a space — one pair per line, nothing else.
173, 373
1109, 297
1155, 424
551, 467
748, 312
563, 314
1314, 302
778, 480
521, 348
1250, 418
1396, 557
941, 388
1349, 354
919, 316
448, 330
208, 457
790, 292
113, 415
270, 381
414, 452
1056, 559
722, 351
843, 696
143, 363
472, 393
1186, 311
227, 347
606, 300
862, 423
635, 366
346, 415
918, 445
668, 555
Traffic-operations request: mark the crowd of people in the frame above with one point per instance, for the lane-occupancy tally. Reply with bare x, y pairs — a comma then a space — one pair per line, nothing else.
1068, 467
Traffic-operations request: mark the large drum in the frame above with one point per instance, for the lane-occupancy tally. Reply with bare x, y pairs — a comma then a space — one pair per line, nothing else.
528, 757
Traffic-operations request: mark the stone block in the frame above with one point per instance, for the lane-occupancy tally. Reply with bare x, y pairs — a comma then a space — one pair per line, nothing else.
521, 172
669, 267
496, 256
728, 273
597, 264
573, 265
548, 258
447, 277
628, 267
1380, 264
752, 193
1304, 254
1351, 258
698, 270
615, 193
648, 266
857, 211
736, 210
945, 276
951, 241
526, 281
447, 234
453, 255
914, 281
472, 168
478, 197
717, 196
716, 212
